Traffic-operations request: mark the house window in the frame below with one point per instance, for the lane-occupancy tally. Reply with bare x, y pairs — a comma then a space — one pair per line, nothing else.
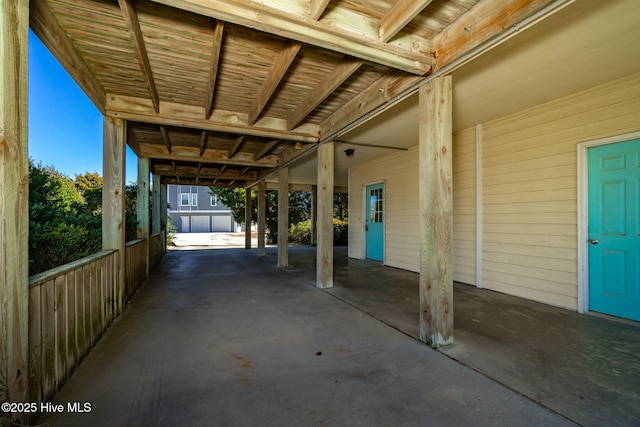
214, 200
184, 199
194, 199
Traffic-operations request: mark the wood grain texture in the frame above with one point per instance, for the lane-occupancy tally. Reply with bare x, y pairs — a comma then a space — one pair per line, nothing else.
283, 217
436, 213
14, 203
324, 248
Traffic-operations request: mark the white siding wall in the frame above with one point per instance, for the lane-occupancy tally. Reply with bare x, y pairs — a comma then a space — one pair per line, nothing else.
529, 194
464, 206
399, 171
530, 189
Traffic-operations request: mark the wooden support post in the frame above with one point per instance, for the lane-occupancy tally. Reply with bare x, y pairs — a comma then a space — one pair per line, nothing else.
14, 207
163, 206
142, 231
314, 215
247, 218
436, 213
283, 217
155, 205
113, 198
262, 216
324, 250
143, 198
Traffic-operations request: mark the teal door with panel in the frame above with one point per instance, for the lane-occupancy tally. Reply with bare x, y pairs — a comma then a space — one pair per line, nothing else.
374, 223
614, 229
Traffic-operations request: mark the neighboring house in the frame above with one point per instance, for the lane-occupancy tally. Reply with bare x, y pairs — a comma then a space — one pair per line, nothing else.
194, 210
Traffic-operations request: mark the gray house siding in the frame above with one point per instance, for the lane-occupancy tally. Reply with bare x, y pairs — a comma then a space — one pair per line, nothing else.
192, 210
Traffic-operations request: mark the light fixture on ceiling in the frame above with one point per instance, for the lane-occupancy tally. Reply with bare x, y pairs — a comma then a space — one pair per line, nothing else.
298, 145
349, 152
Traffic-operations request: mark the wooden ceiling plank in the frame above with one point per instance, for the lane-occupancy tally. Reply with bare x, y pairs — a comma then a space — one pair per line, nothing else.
45, 25
399, 16
486, 20
165, 137
213, 68
267, 147
277, 72
264, 162
203, 142
236, 145
133, 24
342, 72
309, 31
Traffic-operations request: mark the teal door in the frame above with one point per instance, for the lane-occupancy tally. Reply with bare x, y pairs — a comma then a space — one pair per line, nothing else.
374, 224
614, 229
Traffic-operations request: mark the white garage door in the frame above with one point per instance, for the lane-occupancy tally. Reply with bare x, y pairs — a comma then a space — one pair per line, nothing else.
221, 223
200, 224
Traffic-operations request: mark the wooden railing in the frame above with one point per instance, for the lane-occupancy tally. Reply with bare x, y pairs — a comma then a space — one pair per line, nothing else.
69, 308
135, 266
157, 249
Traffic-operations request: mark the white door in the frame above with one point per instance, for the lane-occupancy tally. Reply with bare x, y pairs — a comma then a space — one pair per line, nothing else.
200, 224
185, 224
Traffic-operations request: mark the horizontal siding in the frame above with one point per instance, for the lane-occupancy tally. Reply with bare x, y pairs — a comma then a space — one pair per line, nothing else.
464, 206
399, 171
530, 188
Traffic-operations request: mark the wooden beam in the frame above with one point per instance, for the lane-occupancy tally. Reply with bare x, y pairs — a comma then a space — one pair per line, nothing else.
277, 72
45, 25
131, 18
262, 217
342, 72
485, 20
14, 208
325, 35
399, 16
213, 67
236, 145
113, 198
203, 142
247, 218
222, 169
361, 144
324, 248
317, 7
265, 149
375, 96
244, 171
172, 114
436, 212
283, 217
266, 162
165, 137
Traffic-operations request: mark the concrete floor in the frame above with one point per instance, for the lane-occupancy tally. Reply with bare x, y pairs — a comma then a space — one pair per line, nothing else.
222, 337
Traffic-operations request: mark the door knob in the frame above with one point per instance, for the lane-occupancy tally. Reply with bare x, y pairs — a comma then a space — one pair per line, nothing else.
594, 241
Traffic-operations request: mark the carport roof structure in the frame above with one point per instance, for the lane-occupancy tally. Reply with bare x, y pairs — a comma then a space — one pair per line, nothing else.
224, 92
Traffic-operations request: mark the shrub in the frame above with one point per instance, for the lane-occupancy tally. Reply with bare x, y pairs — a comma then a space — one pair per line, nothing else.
301, 233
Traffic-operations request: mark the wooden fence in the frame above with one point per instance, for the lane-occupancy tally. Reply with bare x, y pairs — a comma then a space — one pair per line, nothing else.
69, 308
135, 266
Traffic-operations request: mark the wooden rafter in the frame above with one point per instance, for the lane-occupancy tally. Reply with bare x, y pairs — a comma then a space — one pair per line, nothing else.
46, 26
277, 72
316, 8
165, 137
236, 145
399, 16
222, 169
341, 73
203, 142
244, 170
316, 33
213, 67
267, 147
133, 24
217, 156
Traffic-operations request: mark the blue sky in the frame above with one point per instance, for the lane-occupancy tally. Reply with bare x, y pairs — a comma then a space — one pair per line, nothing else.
65, 128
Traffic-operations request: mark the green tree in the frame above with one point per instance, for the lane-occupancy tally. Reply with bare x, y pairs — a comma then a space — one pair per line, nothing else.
234, 199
